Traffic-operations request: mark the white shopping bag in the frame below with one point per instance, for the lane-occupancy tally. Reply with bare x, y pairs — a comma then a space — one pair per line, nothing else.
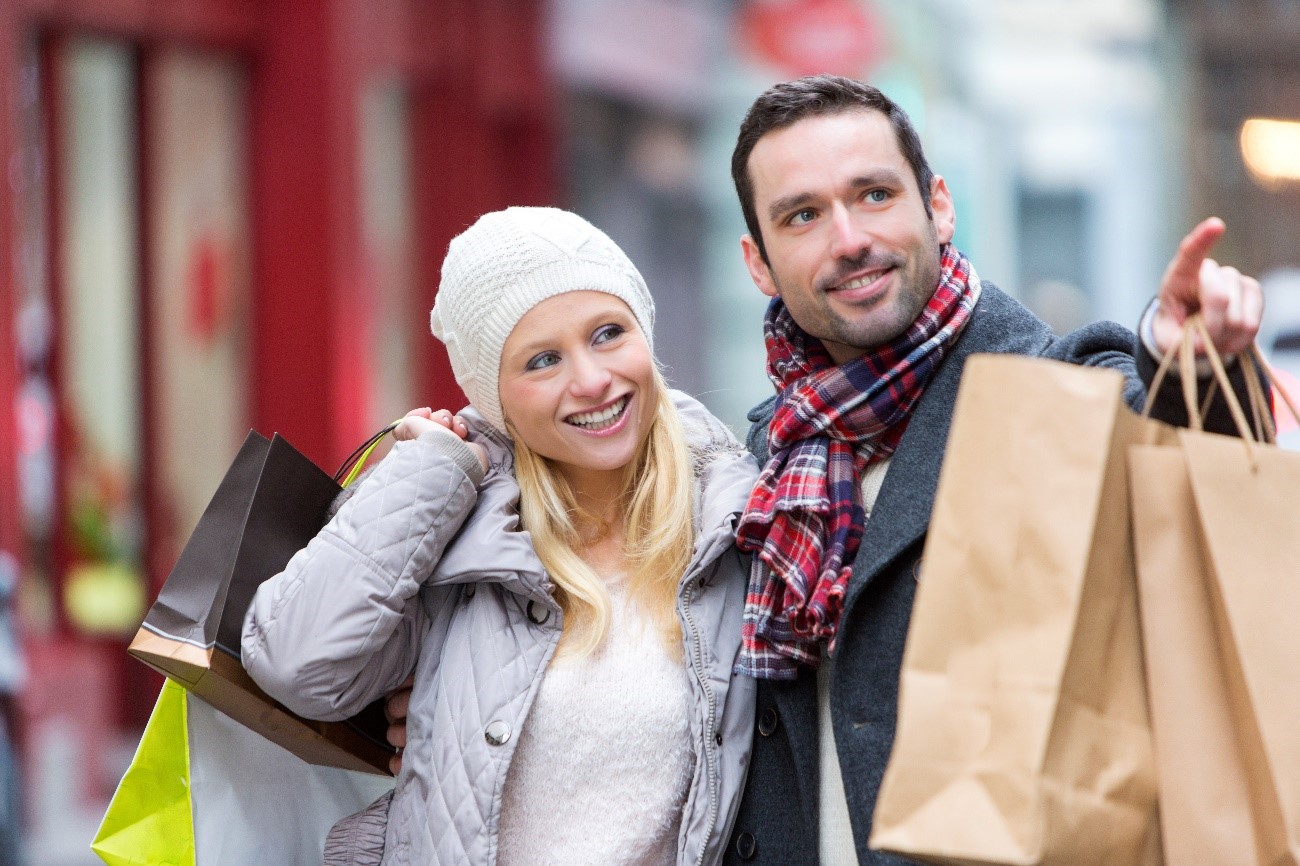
249, 800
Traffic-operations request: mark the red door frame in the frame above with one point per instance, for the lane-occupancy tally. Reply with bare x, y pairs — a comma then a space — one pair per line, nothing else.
480, 126
10, 67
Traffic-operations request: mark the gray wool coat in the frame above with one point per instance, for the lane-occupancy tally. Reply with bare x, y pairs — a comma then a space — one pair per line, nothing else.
778, 821
427, 569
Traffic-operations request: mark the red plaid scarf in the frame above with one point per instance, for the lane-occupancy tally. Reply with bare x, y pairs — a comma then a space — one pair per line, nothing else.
804, 518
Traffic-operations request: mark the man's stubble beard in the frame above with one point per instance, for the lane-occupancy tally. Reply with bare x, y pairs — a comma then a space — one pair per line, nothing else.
916, 285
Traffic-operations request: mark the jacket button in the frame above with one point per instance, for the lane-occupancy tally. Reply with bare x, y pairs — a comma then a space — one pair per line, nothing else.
746, 847
538, 613
497, 733
470, 589
768, 721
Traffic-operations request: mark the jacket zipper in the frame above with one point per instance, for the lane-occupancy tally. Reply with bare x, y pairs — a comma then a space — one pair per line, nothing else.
697, 659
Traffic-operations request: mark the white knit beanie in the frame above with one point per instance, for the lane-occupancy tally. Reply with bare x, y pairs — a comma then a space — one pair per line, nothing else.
507, 263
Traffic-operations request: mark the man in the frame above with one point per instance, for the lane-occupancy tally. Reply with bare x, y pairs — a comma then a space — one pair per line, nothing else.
873, 315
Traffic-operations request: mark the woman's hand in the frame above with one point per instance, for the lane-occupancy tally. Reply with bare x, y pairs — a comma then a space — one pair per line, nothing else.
396, 708
422, 420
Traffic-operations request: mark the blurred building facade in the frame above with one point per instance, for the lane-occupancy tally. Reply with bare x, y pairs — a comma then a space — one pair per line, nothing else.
222, 214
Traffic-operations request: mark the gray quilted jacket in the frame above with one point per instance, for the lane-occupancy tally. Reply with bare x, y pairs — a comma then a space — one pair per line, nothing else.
425, 568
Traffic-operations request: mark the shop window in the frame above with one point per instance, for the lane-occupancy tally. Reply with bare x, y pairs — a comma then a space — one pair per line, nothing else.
1053, 267
100, 343
200, 307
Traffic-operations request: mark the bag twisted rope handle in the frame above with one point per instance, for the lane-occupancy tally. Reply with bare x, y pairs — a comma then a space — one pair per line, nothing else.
357, 459
1254, 368
1194, 412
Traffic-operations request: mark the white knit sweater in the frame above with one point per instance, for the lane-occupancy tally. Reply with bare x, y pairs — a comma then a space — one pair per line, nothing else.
604, 760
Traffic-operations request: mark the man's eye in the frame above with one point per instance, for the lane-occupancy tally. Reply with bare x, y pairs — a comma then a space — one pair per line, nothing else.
607, 333
542, 360
802, 217
878, 196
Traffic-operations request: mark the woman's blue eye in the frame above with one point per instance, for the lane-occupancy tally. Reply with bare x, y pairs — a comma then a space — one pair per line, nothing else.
607, 333
542, 360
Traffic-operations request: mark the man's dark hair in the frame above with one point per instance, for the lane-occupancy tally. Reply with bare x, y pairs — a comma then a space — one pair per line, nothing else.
816, 95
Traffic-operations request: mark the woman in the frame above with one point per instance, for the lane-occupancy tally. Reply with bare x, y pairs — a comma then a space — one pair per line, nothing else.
555, 567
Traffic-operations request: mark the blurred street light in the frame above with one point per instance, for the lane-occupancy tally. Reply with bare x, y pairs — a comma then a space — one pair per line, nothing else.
1271, 149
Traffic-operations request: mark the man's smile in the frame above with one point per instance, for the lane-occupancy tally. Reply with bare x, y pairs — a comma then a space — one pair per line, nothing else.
862, 285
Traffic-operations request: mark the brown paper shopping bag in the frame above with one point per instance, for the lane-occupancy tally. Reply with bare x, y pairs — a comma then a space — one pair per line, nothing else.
1246, 507
1023, 735
271, 502
1219, 576
1204, 801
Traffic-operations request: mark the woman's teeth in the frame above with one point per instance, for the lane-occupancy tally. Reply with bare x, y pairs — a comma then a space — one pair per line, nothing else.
600, 419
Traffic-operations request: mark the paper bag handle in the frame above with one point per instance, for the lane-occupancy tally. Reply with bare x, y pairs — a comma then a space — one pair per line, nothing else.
1196, 410
357, 459
1254, 367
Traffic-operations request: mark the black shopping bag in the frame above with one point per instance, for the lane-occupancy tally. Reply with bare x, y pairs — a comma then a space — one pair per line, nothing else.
271, 502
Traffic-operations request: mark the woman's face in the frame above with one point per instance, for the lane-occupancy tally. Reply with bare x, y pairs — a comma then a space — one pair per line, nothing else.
577, 384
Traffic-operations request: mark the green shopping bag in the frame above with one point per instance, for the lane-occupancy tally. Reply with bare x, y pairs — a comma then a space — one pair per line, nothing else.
203, 790
150, 819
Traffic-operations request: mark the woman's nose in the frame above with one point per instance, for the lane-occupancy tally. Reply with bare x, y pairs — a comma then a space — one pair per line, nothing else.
590, 376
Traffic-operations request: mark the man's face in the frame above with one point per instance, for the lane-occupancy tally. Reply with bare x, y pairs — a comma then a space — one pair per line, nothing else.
853, 254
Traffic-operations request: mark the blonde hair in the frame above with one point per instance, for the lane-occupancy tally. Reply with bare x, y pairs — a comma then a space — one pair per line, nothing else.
657, 496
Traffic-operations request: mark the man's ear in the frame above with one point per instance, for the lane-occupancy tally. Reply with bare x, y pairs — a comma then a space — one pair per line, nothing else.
941, 207
759, 272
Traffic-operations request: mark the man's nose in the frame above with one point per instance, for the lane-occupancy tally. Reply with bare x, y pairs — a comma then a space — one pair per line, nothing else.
849, 238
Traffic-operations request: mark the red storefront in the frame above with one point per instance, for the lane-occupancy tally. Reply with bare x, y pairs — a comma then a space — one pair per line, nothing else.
220, 214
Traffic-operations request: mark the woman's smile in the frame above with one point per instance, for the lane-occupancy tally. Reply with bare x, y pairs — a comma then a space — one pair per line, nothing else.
603, 420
